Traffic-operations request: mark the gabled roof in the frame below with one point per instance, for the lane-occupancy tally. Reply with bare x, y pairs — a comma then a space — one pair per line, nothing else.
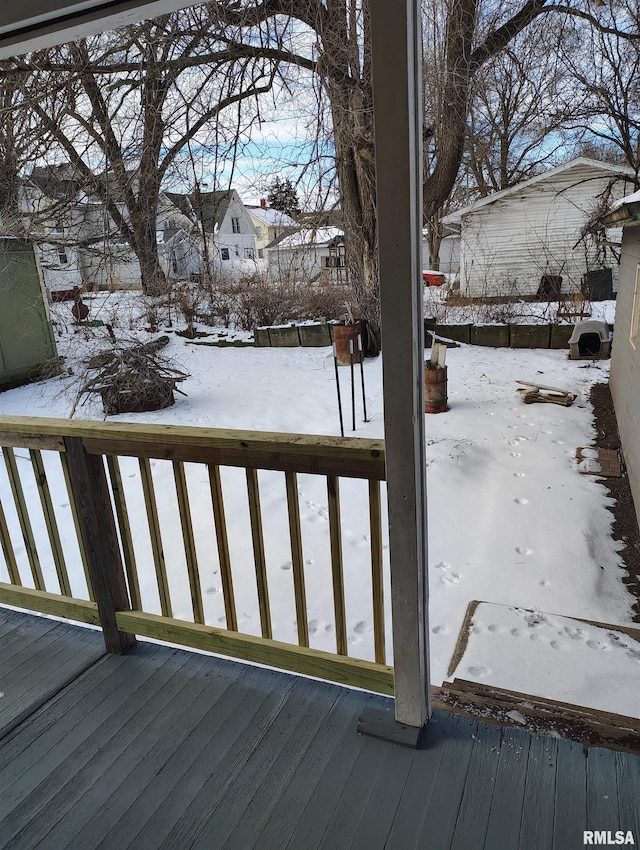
604, 168
270, 217
181, 203
320, 238
57, 182
208, 208
211, 208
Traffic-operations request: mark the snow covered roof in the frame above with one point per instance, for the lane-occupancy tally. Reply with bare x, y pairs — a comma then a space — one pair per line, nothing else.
626, 211
271, 217
551, 174
320, 238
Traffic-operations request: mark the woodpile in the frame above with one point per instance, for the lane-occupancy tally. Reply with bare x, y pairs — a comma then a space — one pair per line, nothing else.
133, 378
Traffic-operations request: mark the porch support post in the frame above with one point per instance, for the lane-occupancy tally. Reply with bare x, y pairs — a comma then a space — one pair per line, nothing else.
397, 75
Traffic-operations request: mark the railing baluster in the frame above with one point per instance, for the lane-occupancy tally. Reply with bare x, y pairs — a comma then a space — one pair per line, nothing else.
295, 533
100, 508
156, 538
375, 528
258, 551
50, 522
226, 577
126, 539
335, 533
189, 541
23, 518
76, 524
7, 549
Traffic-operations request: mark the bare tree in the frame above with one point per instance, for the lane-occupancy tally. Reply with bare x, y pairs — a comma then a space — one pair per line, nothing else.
330, 38
517, 120
607, 73
127, 103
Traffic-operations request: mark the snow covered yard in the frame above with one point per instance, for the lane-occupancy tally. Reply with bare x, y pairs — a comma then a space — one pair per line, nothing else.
511, 520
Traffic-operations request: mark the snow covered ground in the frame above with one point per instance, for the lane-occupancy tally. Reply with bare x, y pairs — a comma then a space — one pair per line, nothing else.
511, 520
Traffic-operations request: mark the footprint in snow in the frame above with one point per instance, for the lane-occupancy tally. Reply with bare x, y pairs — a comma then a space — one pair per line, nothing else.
440, 630
451, 578
521, 501
519, 474
599, 645
515, 454
524, 550
286, 566
313, 627
361, 628
478, 671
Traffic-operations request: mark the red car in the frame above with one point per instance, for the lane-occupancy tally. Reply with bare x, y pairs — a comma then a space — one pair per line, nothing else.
433, 278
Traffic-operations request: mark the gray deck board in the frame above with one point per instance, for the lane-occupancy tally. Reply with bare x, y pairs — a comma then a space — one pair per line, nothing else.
628, 775
160, 777
37, 660
74, 806
602, 791
254, 794
503, 828
328, 744
571, 795
536, 826
442, 812
385, 798
162, 748
477, 797
285, 800
234, 714
406, 828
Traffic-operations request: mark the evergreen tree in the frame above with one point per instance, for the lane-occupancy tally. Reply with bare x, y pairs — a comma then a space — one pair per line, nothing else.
283, 196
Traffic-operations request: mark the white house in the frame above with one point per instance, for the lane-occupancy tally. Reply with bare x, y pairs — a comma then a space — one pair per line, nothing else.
269, 225
512, 239
449, 255
625, 354
50, 201
308, 255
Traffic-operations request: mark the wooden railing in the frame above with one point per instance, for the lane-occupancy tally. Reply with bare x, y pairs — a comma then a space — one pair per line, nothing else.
81, 472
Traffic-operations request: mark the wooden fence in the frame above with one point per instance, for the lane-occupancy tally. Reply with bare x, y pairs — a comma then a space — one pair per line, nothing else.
89, 481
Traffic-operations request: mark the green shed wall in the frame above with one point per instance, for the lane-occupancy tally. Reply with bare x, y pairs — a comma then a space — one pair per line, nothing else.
27, 343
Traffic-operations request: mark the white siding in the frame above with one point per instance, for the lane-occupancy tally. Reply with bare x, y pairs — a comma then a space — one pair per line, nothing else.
625, 363
507, 246
237, 243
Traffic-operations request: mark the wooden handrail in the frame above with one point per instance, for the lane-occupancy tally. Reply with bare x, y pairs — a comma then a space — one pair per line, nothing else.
89, 458
349, 457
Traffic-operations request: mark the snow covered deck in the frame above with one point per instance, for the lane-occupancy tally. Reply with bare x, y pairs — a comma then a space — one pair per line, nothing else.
167, 748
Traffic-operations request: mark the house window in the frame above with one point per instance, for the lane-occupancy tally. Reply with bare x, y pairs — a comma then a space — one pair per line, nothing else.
236, 249
261, 253
58, 227
62, 256
248, 254
635, 313
224, 253
235, 225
